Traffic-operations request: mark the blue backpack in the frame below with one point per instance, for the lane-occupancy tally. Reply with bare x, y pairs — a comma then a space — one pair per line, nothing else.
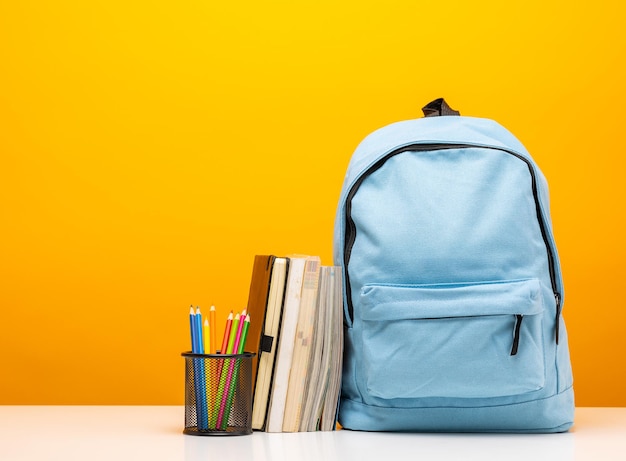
453, 290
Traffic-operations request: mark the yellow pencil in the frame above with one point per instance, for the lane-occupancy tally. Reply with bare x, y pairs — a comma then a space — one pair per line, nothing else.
206, 336
233, 334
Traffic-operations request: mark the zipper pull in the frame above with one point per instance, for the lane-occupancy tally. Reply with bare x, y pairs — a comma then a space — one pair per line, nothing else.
557, 298
518, 325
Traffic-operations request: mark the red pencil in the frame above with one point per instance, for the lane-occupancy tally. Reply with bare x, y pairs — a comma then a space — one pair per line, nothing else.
229, 322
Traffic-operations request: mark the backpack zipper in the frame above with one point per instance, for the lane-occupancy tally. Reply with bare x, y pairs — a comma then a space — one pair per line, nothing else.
350, 234
516, 331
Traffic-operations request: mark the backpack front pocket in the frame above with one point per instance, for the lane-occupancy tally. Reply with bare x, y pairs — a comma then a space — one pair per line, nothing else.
475, 340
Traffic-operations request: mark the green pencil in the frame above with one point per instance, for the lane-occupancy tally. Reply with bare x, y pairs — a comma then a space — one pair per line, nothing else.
233, 383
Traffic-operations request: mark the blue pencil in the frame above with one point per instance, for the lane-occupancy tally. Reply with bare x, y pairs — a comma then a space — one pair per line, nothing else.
203, 383
192, 328
198, 328
198, 369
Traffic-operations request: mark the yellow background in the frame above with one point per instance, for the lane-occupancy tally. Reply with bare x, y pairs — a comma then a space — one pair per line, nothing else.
150, 149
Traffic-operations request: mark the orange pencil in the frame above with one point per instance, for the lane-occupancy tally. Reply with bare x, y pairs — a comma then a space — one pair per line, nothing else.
219, 364
212, 326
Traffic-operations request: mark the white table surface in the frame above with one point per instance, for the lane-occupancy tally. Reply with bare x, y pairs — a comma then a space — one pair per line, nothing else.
154, 433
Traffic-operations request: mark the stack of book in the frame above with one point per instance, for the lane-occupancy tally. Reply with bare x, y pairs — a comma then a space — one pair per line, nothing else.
300, 342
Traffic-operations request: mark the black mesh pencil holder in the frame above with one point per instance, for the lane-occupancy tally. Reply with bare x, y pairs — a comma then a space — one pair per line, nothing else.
218, 394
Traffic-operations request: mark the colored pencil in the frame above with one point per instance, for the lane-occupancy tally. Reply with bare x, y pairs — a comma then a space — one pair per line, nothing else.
199, 331
225, 374
213, 326
234, 371
220, 377
198, 373
244, 336
207, 337
192, 328
227, 328
233, 334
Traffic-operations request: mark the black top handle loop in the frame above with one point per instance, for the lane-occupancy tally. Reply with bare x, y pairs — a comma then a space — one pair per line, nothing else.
437, 108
